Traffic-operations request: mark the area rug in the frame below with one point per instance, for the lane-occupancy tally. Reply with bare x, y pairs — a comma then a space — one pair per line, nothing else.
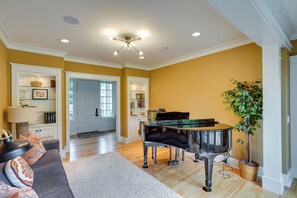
111, 175
93, 134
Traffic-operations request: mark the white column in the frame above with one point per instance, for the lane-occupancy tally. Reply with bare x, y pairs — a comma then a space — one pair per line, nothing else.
272, 134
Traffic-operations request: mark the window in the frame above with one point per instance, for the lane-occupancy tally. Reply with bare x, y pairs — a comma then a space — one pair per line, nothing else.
106, 99
71, 98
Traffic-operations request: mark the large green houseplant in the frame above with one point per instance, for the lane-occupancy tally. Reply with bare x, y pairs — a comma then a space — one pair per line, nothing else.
245, 100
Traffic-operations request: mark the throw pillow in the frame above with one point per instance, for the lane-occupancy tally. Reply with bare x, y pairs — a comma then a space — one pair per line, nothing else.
31, 135
36, 152
19, 173
13, 192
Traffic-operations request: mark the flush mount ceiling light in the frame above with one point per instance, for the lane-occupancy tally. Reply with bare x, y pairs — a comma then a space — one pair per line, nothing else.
71, 20
195, 34
64, 40
128, 43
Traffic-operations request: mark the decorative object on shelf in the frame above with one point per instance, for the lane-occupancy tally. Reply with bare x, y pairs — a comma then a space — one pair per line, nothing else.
127, 39
22, 94
140, 96
246, 101
53, 83
39, 94
50, 117
36, 82
11, 148
22, 116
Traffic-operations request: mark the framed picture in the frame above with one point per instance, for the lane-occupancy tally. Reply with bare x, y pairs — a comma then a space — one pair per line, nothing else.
39, 94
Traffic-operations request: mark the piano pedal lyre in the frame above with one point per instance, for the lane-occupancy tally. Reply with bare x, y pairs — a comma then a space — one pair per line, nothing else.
177, 153
196, 160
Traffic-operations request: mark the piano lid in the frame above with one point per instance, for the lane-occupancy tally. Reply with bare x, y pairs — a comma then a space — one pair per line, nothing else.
181, 122
200, 127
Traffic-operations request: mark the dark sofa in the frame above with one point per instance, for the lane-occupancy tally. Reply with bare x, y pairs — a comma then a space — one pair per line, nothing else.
50, 180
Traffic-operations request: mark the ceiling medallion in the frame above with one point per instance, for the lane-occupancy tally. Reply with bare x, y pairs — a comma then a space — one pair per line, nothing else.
128, 43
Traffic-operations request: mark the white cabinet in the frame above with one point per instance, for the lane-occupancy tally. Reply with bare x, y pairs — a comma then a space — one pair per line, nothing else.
138, 104
134, 126
45, 132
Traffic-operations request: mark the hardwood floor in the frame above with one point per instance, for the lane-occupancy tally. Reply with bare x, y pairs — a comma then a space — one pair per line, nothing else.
186, 179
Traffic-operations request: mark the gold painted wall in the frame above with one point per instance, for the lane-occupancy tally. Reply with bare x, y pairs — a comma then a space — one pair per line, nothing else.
294, 49
124, 96
196, 86
3, 86
285, 85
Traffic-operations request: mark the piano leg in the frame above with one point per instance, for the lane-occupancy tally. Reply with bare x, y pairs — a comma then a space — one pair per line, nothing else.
196, 160
145, 149
155, 154
183, 155
208, 165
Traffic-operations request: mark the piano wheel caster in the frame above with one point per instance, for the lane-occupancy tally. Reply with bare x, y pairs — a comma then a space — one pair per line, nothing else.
195, 160
207, 189
145, 166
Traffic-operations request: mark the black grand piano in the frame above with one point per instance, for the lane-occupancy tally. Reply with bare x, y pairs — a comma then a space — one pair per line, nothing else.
206, 138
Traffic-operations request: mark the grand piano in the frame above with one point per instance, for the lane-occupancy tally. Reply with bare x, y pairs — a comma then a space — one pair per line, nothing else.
206, 138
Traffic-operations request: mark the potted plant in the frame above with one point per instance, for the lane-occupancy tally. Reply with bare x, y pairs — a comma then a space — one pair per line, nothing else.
245, 100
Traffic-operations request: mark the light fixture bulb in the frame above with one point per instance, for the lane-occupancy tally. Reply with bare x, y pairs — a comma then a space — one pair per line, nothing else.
141, 57
128, 46
64, 40
110, 38
195, 34
116, 53
140, 53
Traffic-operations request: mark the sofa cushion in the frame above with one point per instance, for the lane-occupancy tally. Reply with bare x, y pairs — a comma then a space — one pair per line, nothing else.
13, 192
36, 152
3, 177
19, 173
50, 158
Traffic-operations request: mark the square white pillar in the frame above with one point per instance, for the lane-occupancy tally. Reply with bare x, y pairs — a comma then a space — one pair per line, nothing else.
272, 126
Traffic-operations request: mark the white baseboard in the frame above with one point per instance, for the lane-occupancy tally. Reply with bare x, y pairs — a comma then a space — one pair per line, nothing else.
130, 139
63, 153
273, 185
286, 179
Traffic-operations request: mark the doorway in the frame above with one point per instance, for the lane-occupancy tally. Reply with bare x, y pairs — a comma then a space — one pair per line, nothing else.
92, 106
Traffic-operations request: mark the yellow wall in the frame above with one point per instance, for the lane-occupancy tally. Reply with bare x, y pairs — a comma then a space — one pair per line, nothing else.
124, 95
285, 76
196, 86
3, 85
294, 49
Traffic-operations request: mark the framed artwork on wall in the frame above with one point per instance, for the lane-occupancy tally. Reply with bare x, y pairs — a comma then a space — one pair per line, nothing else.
39, 94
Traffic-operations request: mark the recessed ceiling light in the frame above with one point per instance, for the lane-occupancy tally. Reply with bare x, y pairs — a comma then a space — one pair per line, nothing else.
163, 48
196, 34
64, 40
71, 20
141, 57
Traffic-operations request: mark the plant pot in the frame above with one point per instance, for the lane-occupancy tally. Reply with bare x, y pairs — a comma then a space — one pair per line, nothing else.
248, 171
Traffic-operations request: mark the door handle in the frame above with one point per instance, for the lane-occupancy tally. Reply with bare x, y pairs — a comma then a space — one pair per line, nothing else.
96, 112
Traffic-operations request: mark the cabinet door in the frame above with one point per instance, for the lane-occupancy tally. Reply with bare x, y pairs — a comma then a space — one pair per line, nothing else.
45, 132
134, 126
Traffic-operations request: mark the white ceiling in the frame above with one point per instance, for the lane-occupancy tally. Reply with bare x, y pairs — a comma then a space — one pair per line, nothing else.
37, 25
169, 23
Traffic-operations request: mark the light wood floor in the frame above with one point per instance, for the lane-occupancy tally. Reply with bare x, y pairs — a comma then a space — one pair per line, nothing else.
186, 179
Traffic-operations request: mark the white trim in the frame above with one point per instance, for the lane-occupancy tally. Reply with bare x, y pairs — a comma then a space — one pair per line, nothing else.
130, 139
212, 50
134, 66
117, 79
268, 17
4, 37
288, 178
293, 37
294, 173
92, 62
33, 49
17, 68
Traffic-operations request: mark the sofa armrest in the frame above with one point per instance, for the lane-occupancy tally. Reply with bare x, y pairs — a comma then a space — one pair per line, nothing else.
51, 144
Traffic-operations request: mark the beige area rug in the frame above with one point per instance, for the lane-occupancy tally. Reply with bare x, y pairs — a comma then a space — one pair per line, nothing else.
111, 175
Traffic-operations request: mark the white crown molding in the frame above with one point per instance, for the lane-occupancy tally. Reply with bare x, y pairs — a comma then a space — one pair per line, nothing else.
293, 37
33, 49
4, 37
134, 66
212, 50
92, 62
270, 20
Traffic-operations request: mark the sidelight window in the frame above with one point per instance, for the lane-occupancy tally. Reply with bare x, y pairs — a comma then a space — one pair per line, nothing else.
106, 99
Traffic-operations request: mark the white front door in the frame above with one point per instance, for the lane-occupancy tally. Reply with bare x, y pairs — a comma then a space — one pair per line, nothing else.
88, 93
